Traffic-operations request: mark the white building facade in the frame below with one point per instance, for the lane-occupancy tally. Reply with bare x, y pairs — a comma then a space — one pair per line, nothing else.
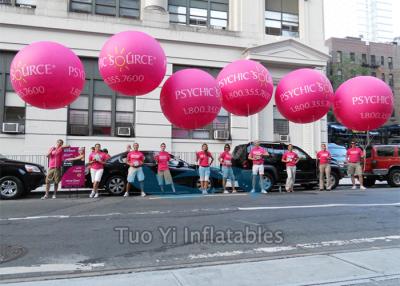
281, 34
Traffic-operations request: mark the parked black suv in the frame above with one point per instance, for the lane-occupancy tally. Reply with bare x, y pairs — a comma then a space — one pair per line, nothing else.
18, 178
185, 175
275, 169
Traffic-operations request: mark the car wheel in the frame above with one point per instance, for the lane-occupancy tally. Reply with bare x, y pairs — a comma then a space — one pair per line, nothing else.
11, 188
334, 181
210, 185
115, 185
394, 178
369, 181
268, 181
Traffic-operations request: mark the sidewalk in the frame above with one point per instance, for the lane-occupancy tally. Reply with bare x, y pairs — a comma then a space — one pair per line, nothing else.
369, 267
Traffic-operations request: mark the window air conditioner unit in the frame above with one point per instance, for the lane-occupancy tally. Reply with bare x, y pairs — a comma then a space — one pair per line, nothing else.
11, 127
124, 131
221, 134
284, 138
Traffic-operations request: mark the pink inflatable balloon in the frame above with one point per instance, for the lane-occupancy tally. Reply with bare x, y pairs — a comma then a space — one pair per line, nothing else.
47, 75
246, 87
363, 103
304, 96
132, 63
190, 99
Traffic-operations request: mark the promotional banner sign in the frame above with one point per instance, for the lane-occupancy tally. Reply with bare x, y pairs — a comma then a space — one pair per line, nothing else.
73, 168
47, 75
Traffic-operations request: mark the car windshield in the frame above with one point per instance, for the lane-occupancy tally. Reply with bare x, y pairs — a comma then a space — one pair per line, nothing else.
338, 152
2, 156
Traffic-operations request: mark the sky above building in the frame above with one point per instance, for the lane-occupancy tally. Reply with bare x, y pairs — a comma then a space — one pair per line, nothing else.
341, 18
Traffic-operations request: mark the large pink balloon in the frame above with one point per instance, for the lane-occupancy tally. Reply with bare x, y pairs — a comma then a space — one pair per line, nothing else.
246, 87
190, 99
304, 96
47, 75
363, 103
132, 63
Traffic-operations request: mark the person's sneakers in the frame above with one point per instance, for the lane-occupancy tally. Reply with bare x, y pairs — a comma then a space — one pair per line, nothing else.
126, 194
226, 192
252, 191
205, 192
143, 194
264, 192
362, 188
54, 196
353, 187
234, 191
44, 197
96, 195
92, 194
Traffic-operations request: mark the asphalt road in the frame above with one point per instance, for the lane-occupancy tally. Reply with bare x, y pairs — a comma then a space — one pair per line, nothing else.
75, 233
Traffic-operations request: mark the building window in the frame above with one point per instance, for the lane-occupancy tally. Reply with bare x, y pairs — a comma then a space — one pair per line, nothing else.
222, 122
118, 8
282, 18
339, 74
12, 107
382, 60
99, 111
391, 81
390, 62
364, 59
281, 124
373, 60
383, 77
19, 3
338, 56
373, 74
352, 57
206, 13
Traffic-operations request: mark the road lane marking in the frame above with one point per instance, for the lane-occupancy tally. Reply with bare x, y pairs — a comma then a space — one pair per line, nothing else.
316, 206
155, 212
49, 268
301, 246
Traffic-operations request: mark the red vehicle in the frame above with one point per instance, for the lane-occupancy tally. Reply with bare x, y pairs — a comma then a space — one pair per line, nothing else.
382, 163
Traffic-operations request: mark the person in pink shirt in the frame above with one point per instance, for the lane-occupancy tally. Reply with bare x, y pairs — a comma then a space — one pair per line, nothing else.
225, 158
163, 174
135, 160
204, 158
354, 156
324, 158
55, 155
257, 154
97, 159
291, 159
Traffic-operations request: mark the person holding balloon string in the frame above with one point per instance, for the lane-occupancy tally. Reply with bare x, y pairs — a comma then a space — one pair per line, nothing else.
135, 160
97, 160
291, 159
257, 154
163, 172
203, 159
323, 158
354, 156
225, 159
55, 163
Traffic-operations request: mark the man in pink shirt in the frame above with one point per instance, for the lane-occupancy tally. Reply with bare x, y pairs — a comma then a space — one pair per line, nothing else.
354, 156
54, 154
291, 159
135, 160
324, 158
163, 174
257, 154
97, 159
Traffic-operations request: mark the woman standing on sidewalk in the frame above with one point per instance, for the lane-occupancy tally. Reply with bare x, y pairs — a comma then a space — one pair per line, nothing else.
203, 159
96, 160
291, 159
324, 158
227, 172
163, 173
